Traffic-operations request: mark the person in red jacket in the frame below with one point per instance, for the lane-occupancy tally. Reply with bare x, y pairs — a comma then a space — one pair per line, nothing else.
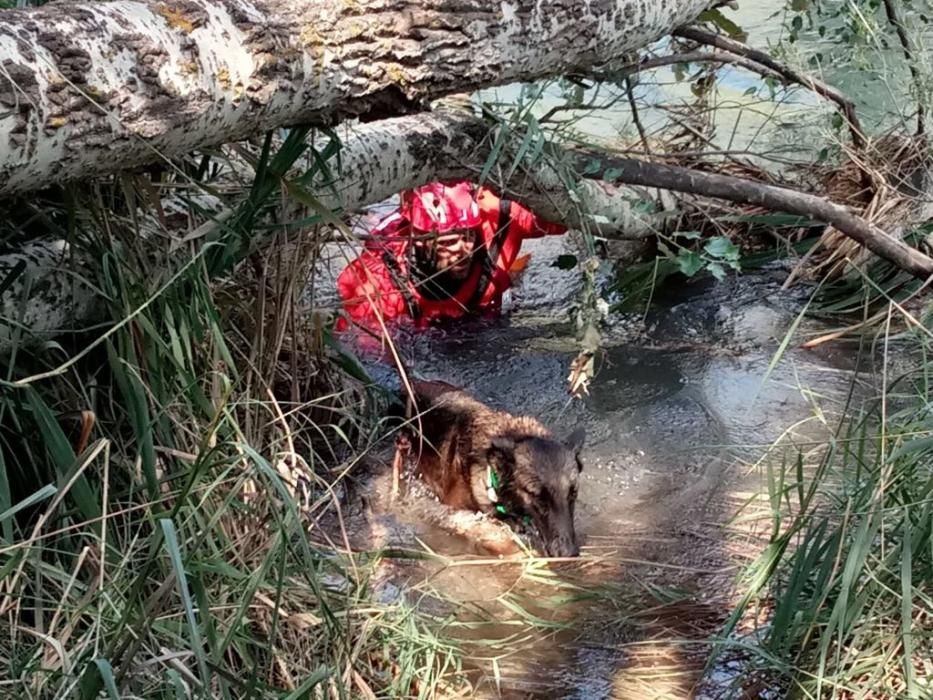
444, 254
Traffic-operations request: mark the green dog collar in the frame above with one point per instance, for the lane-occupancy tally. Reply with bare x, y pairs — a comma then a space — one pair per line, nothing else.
493, 482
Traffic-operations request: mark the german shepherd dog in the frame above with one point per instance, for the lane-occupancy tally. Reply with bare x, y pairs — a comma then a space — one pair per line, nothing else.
478, 459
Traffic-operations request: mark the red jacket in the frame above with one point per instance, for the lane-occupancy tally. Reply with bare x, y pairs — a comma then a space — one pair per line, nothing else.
368, 281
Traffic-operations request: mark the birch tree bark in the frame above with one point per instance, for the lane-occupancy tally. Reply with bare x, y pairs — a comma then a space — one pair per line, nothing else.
93, 87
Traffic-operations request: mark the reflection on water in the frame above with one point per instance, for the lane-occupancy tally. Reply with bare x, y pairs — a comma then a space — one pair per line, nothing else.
747, 115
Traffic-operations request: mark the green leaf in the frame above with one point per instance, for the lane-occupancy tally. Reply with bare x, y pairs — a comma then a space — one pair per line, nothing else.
837, 121
106, 674
907, 609
727, 25
721, 247
690, 262
689, 235
717, 270
63, 457
6, 502
178, 685
565, 262
174, 552
592, 167
918, 445
785, 343
645, 206
532, 133
612, 174
303, 691
501, 135
42, 494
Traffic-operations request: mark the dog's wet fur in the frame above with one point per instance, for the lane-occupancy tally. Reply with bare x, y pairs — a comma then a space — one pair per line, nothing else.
456, 439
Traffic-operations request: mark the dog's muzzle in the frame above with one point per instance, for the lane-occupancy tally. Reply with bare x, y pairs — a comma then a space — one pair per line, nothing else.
562, 546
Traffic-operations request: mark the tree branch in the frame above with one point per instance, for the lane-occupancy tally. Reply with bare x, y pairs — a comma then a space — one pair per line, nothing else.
702, 57
743, 191
846, 106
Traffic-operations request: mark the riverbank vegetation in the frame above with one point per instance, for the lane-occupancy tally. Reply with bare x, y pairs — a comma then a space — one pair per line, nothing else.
174, 474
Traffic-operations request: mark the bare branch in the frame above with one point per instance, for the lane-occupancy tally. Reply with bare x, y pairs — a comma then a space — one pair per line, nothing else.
846, 106
744, 191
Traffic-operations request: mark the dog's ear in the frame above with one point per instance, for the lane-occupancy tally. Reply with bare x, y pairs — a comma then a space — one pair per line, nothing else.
501, 450
574, 441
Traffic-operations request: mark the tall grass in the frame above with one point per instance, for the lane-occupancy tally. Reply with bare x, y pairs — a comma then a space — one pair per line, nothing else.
848, 573
161, 482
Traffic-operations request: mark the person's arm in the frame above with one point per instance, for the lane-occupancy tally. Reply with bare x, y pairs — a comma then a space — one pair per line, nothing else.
356, 293
528, 225
366, 290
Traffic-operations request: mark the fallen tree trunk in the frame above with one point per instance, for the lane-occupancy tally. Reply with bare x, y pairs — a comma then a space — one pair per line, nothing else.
45, 289
43, 295
91, 88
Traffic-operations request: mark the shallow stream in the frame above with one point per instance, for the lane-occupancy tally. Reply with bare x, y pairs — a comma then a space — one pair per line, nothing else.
679, 420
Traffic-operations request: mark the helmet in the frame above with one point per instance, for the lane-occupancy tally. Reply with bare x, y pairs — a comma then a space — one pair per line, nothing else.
440, 207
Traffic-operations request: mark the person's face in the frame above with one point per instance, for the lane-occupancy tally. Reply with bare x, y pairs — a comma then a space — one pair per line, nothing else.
451, 251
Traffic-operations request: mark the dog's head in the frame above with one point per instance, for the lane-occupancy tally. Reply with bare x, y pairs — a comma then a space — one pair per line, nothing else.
539, 479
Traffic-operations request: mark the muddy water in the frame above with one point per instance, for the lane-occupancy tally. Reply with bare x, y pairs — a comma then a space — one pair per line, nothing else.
679, 419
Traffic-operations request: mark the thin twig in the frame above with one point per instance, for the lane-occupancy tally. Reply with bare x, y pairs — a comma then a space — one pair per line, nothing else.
890, 9
630, 94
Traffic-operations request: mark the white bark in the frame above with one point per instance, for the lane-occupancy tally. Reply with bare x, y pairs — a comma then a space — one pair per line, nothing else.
48, 293
383, 158
90, 88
